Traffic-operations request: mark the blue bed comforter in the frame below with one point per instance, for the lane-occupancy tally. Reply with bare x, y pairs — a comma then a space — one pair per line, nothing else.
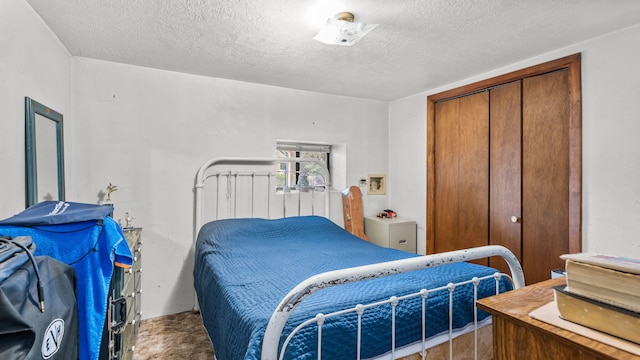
244, 267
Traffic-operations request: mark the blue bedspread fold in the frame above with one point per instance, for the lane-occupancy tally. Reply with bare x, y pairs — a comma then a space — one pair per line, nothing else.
89, 241
244, 267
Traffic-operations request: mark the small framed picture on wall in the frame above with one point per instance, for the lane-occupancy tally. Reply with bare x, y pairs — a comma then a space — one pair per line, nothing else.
377, 184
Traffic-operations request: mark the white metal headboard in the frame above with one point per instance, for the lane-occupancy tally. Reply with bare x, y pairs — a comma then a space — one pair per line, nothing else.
204, 173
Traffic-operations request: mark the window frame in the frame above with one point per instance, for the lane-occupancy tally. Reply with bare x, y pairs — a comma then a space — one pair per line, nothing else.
293, 169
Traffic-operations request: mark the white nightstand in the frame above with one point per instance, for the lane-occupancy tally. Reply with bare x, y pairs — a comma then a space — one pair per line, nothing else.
394, 232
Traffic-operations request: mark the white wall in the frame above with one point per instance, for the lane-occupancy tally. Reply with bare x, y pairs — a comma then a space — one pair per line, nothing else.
148, 131
408, 162
33, 63
611, 150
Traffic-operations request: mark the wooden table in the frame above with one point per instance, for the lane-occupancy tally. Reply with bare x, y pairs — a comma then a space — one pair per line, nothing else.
516, 335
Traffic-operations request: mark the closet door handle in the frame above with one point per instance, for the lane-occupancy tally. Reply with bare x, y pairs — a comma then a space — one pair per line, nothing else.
515, 219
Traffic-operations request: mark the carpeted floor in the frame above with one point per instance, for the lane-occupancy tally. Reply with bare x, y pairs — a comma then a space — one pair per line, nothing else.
179, 336
182, 337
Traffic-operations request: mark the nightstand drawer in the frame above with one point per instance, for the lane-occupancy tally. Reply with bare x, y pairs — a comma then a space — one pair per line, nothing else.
403, 237
396, 233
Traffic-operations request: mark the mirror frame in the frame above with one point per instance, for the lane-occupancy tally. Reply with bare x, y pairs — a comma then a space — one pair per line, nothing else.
32, 108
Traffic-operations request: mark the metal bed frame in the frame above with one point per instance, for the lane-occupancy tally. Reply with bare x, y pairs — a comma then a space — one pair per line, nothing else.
335, 278
203, 174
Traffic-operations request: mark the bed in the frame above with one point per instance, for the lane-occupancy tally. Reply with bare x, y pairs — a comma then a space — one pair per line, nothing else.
299, 286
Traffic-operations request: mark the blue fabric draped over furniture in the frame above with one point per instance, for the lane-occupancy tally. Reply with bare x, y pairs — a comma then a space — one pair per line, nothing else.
85, 237
244, 267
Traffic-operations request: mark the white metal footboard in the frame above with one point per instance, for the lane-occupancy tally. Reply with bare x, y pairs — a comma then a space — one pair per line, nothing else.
337, 277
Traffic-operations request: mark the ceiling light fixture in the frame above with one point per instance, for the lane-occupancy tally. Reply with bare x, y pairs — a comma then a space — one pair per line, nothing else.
341, 30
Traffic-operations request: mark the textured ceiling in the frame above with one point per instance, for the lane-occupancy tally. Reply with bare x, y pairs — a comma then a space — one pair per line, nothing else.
418, 45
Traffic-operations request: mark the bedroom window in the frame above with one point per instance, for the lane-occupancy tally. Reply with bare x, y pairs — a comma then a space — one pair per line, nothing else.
301, 176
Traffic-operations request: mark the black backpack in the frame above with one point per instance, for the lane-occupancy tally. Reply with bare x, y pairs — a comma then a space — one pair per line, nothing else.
38, 311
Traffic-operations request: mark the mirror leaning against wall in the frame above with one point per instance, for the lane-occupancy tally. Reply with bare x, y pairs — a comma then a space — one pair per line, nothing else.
44, 153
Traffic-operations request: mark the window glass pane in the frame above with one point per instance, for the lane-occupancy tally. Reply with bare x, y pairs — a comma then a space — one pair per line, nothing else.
309, 173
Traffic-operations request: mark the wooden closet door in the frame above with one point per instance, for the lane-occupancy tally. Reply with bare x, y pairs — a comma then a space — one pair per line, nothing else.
545, 173
462, 175
535, 170
506, 171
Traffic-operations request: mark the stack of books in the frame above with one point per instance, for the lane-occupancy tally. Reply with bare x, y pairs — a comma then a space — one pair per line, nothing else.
602, 293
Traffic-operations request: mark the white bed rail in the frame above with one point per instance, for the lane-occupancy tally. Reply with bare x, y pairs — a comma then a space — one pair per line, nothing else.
304, 289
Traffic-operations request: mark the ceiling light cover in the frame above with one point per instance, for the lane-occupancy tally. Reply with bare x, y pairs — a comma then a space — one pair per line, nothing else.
343, 32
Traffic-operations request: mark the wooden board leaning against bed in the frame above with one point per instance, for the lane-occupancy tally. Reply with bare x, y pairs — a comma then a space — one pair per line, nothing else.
278, 319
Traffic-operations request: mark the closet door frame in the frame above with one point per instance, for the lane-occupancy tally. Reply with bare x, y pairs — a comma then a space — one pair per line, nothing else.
572, 64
